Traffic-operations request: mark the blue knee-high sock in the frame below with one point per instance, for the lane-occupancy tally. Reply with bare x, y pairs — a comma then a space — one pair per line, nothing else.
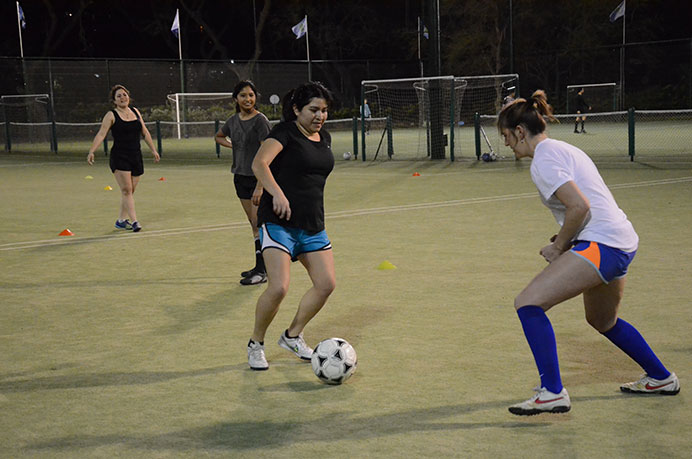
539, 333
632, 343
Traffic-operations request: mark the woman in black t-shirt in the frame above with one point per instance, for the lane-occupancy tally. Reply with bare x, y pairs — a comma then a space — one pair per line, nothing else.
127, 127
293, 164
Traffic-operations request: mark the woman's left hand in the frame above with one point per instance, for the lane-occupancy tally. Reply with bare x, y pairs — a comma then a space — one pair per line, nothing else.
551, 252
157, 157
257, 196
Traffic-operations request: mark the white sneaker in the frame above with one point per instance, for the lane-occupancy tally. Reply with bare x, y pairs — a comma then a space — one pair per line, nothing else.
649, 385
543, 402
255, 356
296, 345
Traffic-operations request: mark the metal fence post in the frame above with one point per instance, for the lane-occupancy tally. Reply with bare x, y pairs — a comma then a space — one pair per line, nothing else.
355, 137
216, 129
8, 142
159, 142
390, 137
630, 129
477, 133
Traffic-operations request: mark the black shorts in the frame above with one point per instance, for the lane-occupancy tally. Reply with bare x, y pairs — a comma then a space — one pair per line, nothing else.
244, 185
127, 162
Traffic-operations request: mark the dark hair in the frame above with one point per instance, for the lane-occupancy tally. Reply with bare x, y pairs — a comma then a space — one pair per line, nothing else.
529, 113
239, 87
302, 95
115, 89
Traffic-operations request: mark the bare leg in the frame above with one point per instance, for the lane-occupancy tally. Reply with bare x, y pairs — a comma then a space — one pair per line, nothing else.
127, 185
564, 278
320, 267
278, 264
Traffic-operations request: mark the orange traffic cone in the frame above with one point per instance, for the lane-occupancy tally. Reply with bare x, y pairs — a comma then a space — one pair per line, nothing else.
416, 174
66, 232
162, 179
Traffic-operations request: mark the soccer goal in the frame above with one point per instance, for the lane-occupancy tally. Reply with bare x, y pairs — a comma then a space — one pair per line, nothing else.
422, 114
601, 97
200, 106
28, 120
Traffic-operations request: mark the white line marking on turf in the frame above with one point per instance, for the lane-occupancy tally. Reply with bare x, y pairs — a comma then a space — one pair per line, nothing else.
329, 216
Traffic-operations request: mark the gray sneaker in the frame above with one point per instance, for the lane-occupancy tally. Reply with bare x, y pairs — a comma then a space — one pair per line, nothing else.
296, 345
255, 356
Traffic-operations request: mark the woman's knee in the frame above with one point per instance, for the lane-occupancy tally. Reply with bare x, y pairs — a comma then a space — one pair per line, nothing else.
278, 289
600, 322
325, 286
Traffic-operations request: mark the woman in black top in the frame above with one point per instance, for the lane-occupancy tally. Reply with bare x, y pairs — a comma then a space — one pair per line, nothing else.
582, 108
128, 127
292, 165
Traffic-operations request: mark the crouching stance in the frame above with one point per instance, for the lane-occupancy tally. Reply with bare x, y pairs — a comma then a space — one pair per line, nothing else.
589, 255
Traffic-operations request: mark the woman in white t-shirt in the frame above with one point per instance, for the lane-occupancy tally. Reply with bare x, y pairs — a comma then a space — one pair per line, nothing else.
589, 255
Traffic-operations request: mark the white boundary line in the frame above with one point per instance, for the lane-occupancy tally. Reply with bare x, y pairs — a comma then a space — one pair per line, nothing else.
329, 216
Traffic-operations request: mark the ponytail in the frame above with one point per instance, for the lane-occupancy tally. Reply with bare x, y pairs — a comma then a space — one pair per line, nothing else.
529, 113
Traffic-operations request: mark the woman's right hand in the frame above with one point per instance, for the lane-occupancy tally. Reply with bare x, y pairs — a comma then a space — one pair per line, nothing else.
90, 158
281, 207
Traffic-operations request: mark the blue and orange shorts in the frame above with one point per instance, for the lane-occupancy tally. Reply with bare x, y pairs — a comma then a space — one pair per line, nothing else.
609, 262
293, 241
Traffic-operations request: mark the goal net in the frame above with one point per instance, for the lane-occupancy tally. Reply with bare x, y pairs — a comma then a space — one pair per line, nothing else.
29, 119
422, 112
190, 107
601, 97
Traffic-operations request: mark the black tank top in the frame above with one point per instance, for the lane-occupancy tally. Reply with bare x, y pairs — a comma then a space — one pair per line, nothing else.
126, 134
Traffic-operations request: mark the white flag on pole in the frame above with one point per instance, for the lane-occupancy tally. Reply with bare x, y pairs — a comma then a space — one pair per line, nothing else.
301, 28
175, 28
618, 12
22, 20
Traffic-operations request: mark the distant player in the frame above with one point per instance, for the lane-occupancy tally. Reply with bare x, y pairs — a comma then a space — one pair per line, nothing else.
366, 115
589, 255
246, 129
582, 108
128, 128
509, 98
293, 164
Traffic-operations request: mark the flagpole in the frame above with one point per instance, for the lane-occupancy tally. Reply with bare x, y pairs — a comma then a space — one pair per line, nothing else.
420, 62
19, 27
622, 63
307, 46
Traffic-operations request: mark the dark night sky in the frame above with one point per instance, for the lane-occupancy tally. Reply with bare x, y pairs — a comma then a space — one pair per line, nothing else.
141, 29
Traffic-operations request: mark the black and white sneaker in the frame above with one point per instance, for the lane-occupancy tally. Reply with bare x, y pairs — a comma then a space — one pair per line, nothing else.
257, 277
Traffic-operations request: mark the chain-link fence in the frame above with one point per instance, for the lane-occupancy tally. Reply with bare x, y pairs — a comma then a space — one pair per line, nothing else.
635, 134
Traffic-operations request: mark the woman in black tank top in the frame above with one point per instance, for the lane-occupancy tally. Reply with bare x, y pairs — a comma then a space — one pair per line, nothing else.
127, 127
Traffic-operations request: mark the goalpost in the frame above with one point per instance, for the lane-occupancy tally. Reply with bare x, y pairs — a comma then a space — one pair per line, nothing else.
602, 97
31, 116
186, 103
421, 114
431, 114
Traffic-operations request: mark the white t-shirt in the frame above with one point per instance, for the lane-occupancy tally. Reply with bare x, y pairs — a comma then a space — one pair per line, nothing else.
554, 164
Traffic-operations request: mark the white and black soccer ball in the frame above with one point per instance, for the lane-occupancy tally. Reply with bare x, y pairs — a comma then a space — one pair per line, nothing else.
489, 157
334, 360
347, 155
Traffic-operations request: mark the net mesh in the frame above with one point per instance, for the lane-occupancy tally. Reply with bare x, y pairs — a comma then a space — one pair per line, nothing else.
422, 113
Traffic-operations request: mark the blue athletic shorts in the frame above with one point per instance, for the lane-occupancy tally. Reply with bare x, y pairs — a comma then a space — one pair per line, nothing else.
293, 241
609, 262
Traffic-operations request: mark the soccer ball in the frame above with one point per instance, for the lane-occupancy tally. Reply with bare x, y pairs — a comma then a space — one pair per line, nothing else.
334, 360
488, 157
347, 155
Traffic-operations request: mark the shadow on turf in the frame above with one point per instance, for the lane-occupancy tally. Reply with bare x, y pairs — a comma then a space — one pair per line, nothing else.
248, 436
104, 379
